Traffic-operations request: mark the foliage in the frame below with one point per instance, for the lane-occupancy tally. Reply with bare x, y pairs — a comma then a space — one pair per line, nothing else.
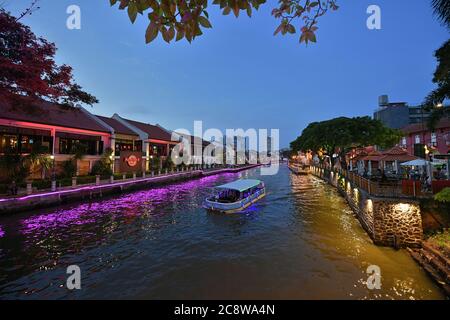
344, 133
168, 163
442, 10
15, 167
103, 167
441, 241
442, 92
69, 169
443, 196
28, 71
155, 163
18, 167
184, 19
442, 74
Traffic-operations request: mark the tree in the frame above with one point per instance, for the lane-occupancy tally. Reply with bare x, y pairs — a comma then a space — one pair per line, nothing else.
443, 196
342, 134
442, 74
178, 19
28, 72
442, 11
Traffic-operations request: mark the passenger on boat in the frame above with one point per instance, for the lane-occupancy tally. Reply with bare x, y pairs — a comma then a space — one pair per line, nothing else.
229, 196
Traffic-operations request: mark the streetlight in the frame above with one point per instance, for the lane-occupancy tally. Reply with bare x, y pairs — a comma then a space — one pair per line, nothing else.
52, 157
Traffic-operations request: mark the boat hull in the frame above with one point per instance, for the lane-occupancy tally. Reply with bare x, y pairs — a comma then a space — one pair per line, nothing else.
233, 207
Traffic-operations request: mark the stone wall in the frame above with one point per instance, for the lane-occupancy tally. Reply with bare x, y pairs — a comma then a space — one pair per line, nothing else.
388, 221
397, 223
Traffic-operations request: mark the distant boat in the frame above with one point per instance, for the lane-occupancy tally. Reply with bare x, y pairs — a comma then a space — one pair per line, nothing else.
235, 196
299, 169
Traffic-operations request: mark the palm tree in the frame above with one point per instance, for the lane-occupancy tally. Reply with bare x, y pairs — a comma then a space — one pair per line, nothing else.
442, 74
442, 11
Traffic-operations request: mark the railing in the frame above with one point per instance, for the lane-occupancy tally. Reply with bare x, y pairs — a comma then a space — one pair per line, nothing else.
389, 188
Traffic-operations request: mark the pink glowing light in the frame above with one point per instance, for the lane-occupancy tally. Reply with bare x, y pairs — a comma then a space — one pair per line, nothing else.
124, 183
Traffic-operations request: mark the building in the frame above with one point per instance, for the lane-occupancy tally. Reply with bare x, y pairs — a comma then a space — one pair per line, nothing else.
419, 140
53, 129
62, 131
397, 115
123, 140
156, 141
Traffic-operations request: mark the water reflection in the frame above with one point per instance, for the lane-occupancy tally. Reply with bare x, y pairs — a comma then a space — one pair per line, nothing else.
301, 241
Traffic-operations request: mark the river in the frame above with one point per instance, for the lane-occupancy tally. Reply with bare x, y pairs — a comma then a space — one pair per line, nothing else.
300, 242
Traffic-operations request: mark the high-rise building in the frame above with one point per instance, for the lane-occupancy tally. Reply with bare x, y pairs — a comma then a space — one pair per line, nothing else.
397, 115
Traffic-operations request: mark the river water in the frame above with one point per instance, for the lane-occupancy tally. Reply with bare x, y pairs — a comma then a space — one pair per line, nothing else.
300, 242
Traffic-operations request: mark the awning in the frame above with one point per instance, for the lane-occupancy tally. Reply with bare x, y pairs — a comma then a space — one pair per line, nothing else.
240, 185
416, 163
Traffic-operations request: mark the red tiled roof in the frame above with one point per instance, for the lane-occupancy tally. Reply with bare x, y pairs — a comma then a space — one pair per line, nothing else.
397, 154
395, 151
419, 127
154, 132
373, 156
51, 114
117, 126
400, 157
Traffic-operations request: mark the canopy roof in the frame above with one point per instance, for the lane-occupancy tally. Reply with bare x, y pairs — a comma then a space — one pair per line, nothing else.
240, 185
416, 163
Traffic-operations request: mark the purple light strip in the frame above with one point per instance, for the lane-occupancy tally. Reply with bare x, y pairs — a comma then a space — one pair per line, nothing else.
119, 184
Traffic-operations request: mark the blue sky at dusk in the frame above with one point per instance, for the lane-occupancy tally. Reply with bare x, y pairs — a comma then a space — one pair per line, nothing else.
238, 74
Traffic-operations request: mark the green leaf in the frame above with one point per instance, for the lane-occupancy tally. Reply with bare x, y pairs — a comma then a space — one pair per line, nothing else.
204, 22
151, 33
132, 12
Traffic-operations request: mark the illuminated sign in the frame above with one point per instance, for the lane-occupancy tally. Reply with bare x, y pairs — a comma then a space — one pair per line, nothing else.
130, 161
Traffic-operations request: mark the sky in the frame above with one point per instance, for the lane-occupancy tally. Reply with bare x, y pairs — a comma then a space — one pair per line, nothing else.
238, 75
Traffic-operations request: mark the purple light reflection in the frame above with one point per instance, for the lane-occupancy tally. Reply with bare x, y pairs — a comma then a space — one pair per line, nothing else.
2, 233
123, 207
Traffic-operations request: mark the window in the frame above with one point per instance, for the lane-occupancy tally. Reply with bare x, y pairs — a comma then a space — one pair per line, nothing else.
417, 139
22, 143
123, 145
9, 143
70, 146
433, 139
158, 150
404, 141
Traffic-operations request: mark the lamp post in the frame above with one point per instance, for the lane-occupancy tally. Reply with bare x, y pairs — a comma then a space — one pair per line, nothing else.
52, 157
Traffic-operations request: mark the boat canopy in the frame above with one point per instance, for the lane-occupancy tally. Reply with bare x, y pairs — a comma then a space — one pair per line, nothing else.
240, 185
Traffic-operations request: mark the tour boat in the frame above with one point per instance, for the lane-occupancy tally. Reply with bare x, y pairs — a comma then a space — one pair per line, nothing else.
235, 196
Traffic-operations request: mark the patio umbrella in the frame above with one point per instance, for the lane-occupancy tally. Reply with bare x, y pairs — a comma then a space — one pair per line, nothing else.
415, 163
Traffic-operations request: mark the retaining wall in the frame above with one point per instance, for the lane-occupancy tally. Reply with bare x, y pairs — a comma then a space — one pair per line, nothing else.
388, 221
